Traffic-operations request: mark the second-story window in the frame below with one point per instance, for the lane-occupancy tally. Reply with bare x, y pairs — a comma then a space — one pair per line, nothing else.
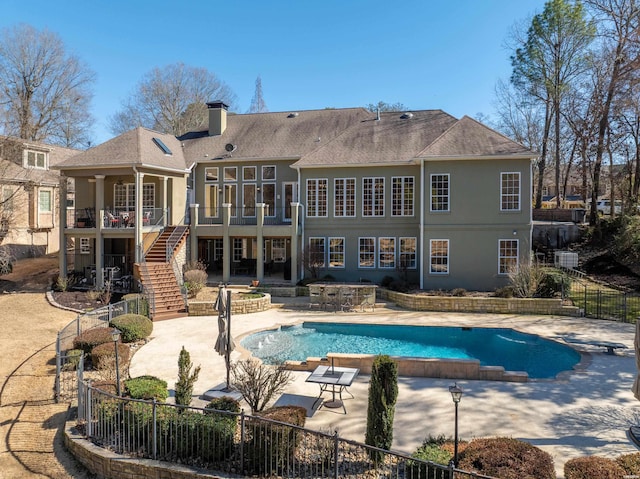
510, 191
248, 173
440, 192
373, 196
36, 159
344, 197
402, 196
317, 197
230, 173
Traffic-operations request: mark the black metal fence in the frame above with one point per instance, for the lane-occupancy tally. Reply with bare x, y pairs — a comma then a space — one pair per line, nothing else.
67, 359
237, 443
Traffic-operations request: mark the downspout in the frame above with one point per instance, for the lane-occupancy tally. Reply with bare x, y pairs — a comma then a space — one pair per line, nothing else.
137, 237
421, 227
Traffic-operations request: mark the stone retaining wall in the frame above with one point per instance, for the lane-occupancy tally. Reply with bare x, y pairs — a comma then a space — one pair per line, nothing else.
471, 304
109, 465
238, 306
416, 367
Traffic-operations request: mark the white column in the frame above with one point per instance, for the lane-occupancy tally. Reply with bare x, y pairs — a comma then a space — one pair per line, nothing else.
139, 254
99, 226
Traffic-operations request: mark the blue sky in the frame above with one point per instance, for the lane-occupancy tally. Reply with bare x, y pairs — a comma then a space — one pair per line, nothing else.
310, 55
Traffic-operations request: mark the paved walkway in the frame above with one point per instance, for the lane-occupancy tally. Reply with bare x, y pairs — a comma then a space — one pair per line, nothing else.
583, 413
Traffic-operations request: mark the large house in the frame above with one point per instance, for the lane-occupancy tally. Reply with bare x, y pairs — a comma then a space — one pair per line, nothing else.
422, 196
30, 197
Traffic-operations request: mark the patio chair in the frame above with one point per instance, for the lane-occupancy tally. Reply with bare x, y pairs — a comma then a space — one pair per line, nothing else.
368, 301
346, 299
316, 297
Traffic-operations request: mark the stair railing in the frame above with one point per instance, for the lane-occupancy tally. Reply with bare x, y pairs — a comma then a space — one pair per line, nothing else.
174, 238
147, 288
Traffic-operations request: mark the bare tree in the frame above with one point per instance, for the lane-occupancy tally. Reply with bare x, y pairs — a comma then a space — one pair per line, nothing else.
171, 100
44, 92
257, 382
619, 26
257, 103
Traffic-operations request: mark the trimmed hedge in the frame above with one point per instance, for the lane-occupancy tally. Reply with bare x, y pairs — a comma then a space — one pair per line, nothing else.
133, 327
147, 387
507, 458
630, 463
91, 338
103, 356
592, 467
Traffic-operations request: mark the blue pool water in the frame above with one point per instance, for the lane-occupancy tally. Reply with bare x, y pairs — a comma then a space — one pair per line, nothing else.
513, 350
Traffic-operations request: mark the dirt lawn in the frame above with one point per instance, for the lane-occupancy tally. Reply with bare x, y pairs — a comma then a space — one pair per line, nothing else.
31, 423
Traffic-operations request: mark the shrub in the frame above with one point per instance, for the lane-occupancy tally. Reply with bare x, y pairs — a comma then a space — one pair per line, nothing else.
227, 421
186, 379
552, 284
591, 467
106, 386
507, 458
133, 327
194, 266
386, 281
91, 338
258, 382
433, 449
383, 392
224, 403
147, 387
103, 356
194, 281
271, 447
630, 463
73, 359
137, 304
400, 285
63, 283
458, 292
504, 292
525, 279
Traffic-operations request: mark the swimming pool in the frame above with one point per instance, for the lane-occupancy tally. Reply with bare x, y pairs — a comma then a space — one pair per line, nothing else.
515, 351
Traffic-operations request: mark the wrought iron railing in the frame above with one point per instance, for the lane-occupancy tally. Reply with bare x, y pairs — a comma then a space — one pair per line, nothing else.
239, 443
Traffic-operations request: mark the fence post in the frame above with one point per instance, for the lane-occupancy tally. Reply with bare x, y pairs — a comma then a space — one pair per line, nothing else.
624, 317
241, 468
336, 451
154, 441
78, 325
599, 304
58, 367
88, 413
452, 470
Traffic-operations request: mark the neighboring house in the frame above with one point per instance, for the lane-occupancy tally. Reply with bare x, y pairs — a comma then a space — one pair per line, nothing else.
420, 196
31, 196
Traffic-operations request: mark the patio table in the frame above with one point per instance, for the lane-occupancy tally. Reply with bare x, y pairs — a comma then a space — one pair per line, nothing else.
336, 378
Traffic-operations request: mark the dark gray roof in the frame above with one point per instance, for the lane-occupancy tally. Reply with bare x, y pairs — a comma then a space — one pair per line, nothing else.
274, 135
468, 138
133, 148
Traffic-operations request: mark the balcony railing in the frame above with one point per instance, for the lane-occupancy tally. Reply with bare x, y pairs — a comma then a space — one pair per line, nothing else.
243, 216
115, 218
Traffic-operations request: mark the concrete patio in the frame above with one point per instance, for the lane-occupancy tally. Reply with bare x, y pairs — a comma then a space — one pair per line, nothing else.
584, 412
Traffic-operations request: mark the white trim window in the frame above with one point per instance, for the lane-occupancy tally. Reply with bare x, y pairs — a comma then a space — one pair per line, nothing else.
439, 256
268, 172
336, 252
508, 256
230, 173
373, 196
85, 246
268, 191
402, 188
36, 159
317, 197
440, 192
211, 174
316, 253
367, 252
239, 249
387, 253
45, 201
510, 191
211, 194
278, 250
124, 196
249, 200
344, 193
249, 173
408, 249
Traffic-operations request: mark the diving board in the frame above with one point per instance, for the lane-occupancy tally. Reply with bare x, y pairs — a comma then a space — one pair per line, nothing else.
611, 346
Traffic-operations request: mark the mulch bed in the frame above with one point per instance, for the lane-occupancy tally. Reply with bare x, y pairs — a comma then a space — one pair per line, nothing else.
79, 300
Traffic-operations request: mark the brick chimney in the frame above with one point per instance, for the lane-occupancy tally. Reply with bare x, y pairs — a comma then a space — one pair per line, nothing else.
217, 117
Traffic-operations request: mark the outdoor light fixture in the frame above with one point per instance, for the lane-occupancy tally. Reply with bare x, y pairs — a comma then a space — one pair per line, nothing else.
456, 395
115, 335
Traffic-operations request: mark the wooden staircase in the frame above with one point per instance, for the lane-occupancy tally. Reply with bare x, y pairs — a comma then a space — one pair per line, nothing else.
158, 277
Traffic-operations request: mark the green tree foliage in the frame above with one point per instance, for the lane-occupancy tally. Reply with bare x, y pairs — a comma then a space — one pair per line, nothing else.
546, 63
186, 379
383, 393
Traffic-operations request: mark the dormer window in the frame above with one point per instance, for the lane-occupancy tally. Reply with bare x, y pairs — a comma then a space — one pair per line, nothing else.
36, 159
